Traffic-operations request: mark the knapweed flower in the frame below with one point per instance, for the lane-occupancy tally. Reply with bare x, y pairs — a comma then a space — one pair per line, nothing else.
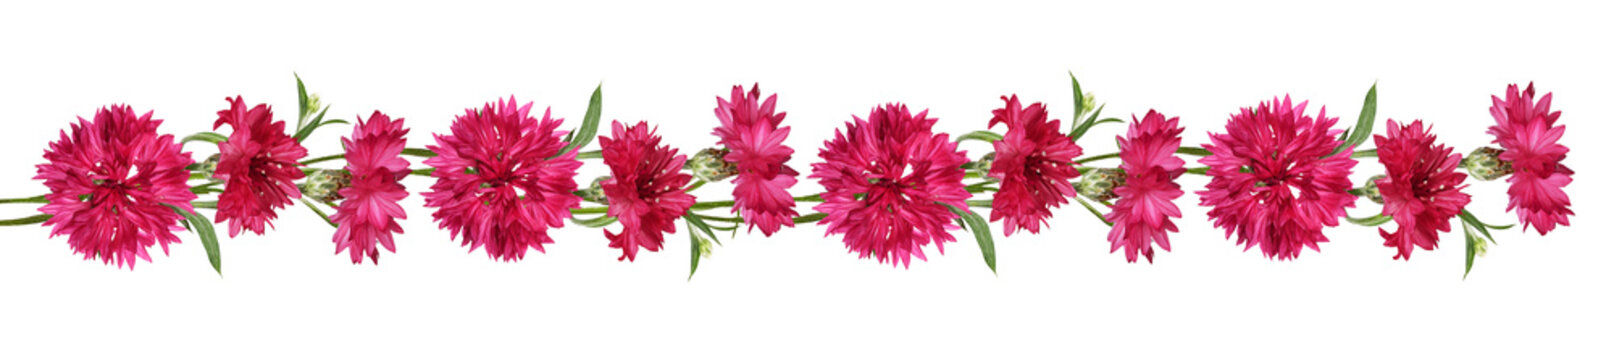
501, 179
1275, 178
1142, 213
1034, 163
1529, 134
369, 211
1422, 189
887, 183
114, 186
755, 141
258, 164
646, 189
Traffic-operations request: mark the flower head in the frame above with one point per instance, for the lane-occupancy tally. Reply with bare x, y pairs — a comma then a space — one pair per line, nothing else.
646, 189
369, 211
1034, 161
755, 141
1144, 208
1422, 189
1276, 179
1529, 134
887, 183
502, 182
115, 185
258, 164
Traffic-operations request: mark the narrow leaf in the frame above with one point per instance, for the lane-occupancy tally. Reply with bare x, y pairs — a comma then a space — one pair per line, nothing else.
1364, 122
1076, 88
204, 231
983, 235
697, 222
1375, 220
205, 136
591, 124
982, 136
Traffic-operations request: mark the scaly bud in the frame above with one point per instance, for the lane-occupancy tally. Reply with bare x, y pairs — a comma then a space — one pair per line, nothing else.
323, 185
594, 193
708, 165
1099, 184
1370, 190
1486, 164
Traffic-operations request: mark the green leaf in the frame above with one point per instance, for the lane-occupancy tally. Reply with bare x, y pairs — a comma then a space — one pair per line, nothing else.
694, 252
696, 221
302, 101
983, 235
1364, 122
1088, 124
1473, 244
417, 152
1076, 88
982, 136
205, 136
304, 132
204, 230
591, 124
1375, 220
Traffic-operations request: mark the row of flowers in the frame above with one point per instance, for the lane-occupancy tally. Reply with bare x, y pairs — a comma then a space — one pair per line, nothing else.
504, 176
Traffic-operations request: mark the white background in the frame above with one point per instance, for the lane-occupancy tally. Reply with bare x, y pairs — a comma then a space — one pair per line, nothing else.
799, 294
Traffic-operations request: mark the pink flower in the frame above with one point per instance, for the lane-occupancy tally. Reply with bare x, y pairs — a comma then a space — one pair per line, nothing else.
756, 147
369, 212
885, 182
1142, 213
1276, 180
1035, 163
500, 182
258, 165
1422, 189
1529, 137
646, 189
114, 185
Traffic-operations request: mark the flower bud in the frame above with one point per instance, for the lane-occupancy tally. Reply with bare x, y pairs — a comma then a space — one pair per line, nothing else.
1486, 164
324, 185
209, 166
594, 193
704, 246
1088, 105
708, 165
1370, 190
1099, 184
983, 165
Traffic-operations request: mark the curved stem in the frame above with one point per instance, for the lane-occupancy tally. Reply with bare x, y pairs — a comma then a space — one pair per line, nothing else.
1369, 153
591, 210
1197, 170
421, 172
809, 218
590, 155
696, 185
38, 218
419, 152
29, 200
322, 159
205, 204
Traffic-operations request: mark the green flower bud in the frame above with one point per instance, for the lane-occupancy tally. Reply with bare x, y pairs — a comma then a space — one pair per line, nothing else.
708, 165
594, 193
1370, 190
983, 165
704, 246
1088, 105
323, 185
1099, 184
1486, 164
209, 166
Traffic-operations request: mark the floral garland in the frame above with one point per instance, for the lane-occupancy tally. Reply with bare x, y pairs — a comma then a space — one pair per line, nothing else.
892, 186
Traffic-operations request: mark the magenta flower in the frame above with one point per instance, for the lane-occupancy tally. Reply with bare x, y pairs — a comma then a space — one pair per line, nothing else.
1035, 163
496, 181
1276, 180
258, 164
886, 180
1142, 213
1529, 134
114, 186
646, 189
369, 212
756, 147
1422, 189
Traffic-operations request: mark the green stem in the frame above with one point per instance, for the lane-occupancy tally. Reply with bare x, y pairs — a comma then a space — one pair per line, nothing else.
979, 203
1197, 170
39, 218
590, 210
1369, 153
809, 218
734, 219
205, 204
322, 159
418, 152
198, 175
590, 155
317, 211
421, 172
31, 200
696, 185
